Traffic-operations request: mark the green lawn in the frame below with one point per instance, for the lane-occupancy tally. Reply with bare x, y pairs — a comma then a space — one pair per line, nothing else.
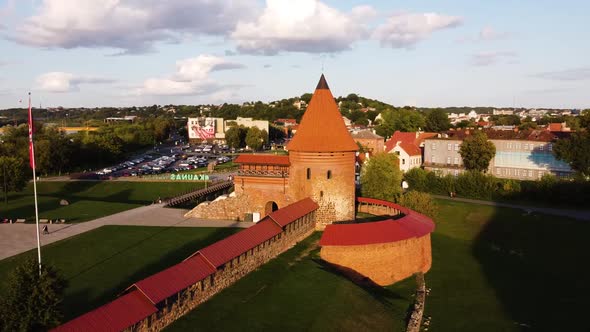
296, 292
88, 199
494, 269
101, 263
499, 269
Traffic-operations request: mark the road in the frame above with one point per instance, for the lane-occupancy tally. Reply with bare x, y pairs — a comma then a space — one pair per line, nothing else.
18, 238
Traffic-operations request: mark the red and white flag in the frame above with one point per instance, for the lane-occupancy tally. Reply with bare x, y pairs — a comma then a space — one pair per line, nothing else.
31, 129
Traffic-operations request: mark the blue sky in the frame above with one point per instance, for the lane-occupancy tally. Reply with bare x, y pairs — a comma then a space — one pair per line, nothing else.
527, 53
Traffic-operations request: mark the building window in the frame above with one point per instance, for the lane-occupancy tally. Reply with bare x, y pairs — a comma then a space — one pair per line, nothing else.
456, 160
456, 172
449, 146
541, 147
498, 171
550, 147
433, 145
449, 160
433, 159
403, 161
456, 146
526, 146
329, 175
309, 173
530, 173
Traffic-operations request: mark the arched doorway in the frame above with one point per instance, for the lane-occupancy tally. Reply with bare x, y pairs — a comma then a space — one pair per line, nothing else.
270, 207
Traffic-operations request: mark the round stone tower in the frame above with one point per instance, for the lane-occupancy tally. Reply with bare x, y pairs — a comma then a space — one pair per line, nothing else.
322, 156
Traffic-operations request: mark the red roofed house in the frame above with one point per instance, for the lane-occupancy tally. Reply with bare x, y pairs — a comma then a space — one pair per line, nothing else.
320, 165
408, 147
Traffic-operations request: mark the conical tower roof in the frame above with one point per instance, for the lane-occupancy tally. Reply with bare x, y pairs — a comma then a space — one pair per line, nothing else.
322, 128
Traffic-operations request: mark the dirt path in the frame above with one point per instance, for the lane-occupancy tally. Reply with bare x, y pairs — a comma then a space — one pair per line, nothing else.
18, 238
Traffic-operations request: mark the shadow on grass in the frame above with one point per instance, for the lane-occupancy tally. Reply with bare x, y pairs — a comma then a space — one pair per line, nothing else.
537, 265
78, 303
379, 293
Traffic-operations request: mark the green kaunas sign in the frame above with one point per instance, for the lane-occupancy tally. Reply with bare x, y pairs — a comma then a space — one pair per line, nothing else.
189, 177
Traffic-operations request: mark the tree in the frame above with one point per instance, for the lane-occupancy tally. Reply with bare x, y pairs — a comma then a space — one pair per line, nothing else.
12, 175
32, 301
437, 121
402, 119
476, 151
255, 138
575, 150
381, 177
235, 136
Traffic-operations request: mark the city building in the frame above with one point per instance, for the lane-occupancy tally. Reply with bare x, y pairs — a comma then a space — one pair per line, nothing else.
371, 142
408, 146
523, 155
127, 118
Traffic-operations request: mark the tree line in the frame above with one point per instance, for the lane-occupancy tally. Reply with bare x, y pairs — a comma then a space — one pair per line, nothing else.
58, 153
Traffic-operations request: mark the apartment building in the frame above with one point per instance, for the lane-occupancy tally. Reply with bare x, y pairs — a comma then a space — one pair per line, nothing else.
522, 155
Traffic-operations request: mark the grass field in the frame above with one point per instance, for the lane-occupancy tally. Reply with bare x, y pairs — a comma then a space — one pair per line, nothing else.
101, 263
494, 269
88, 199
296, 292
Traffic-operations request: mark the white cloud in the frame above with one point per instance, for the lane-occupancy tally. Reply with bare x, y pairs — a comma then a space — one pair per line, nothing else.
492, 58
198, 68
66, 82
404, 30
301, 26
573, 74
131, 25
191, 77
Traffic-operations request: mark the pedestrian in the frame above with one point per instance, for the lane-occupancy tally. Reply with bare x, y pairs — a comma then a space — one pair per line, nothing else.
45, 229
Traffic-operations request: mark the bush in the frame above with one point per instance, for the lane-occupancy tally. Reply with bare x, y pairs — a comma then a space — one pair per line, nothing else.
420, 202
417, 179
475, 184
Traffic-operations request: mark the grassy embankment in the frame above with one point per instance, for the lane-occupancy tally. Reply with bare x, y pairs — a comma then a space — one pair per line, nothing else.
88, 199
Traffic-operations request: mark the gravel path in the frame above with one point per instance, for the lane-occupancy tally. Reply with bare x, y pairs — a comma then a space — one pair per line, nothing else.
18, 238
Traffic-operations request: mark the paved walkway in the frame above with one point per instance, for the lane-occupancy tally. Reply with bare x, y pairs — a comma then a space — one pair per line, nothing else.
18, 238
576, 214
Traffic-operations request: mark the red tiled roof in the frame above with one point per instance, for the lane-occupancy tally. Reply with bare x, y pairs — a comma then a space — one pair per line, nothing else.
233, 246
292, 212
412, 224
322, 128
411, 149
168, 282
117, 315
262, 159
399, 136
554, 127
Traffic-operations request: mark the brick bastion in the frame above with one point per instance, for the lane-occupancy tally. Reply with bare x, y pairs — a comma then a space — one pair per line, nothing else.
385, 251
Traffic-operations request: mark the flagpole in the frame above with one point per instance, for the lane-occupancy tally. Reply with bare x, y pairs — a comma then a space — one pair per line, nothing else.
32, 156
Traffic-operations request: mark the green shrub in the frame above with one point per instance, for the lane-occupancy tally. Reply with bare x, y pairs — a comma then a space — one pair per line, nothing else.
420, 202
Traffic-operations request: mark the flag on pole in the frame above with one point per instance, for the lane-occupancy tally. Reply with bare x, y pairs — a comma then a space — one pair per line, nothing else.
31, 129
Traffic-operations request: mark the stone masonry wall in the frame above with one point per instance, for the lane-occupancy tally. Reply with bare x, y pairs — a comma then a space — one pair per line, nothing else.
384, 263
188, 299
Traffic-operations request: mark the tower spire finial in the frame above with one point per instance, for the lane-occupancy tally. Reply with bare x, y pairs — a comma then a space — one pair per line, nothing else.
322, 84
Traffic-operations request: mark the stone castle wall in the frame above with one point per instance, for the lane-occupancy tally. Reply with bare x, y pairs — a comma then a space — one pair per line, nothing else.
188, 299
384, 263
251, 194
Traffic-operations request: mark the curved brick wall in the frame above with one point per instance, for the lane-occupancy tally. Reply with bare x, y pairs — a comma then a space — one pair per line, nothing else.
386, 251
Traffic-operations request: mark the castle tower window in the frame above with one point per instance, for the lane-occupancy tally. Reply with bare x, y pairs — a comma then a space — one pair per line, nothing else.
329, 175
309, 173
